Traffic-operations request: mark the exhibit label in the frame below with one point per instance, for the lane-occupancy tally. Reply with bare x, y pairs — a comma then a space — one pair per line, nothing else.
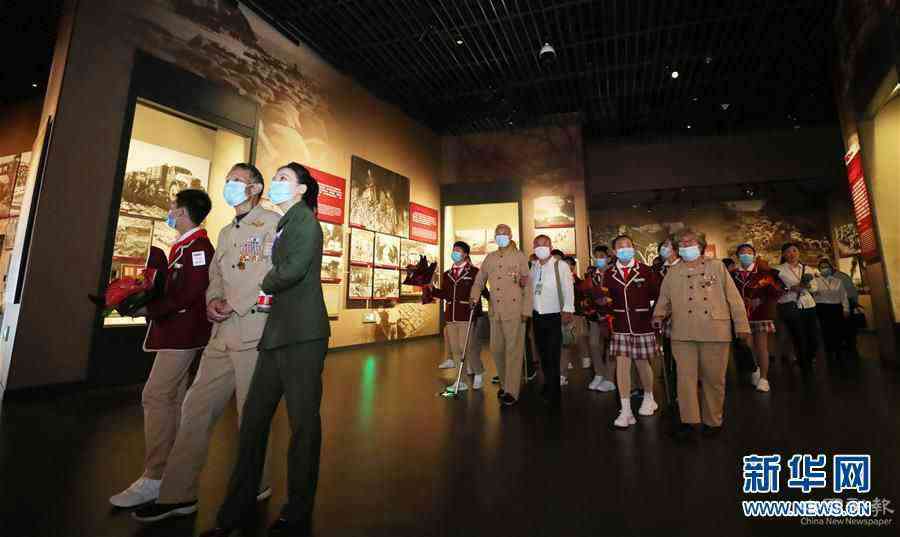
862, 209
423, 223
331, 196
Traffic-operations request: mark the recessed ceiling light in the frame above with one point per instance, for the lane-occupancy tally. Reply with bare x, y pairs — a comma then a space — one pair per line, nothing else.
695, 99
459, 41
725, 106
674, 74
34, 84
708, 59
689, 125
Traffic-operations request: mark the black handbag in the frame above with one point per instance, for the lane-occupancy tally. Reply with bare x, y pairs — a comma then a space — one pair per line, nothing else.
743, 357
858, 319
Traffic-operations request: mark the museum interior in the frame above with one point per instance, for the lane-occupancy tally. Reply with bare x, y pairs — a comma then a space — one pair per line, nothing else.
425, 123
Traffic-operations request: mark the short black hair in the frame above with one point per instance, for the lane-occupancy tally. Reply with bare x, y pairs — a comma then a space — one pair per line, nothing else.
785, 246
744, 245
621, 237
462, 246
559, 253
196, 203
601, 248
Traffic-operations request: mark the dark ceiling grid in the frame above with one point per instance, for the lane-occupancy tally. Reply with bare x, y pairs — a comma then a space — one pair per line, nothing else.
767, 60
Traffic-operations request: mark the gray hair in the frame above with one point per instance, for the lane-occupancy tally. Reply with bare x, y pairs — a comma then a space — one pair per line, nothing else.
688, 232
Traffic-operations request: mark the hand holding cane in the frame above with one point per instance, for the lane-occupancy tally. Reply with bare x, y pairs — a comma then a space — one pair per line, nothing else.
454, 390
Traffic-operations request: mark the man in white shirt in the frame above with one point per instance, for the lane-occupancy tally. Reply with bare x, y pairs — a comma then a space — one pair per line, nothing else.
554, 306
797, 307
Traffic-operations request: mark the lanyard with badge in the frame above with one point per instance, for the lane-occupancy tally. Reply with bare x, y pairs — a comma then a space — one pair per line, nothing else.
540, 285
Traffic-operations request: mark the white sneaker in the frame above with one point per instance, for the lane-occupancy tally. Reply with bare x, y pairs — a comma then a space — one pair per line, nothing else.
462, 386
595, 383
570, 366
469, 370
625, 419
762, 386
648, 406
755, 377
586, 362
606, 386
140, 492
478, 382
447, 364
563, 381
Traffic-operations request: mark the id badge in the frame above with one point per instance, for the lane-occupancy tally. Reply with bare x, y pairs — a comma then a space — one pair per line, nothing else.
538, 288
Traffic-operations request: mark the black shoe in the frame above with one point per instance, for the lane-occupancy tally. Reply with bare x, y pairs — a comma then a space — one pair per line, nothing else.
684, 433
500, 393
530, 371
285, 528
217, 532
496, 379
710, 431
508, 400
155, 512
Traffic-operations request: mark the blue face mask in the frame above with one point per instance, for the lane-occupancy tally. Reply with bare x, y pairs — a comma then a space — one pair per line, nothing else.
456, 256
746, 259
235, 193
689, 253
170, 219
281, 191
600, 263
665, 252
625, 255
502, 240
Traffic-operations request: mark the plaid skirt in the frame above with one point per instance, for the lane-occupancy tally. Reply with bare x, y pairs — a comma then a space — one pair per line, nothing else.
762, 327
634, 346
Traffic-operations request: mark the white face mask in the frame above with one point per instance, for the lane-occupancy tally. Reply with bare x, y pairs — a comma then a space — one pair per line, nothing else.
542, 252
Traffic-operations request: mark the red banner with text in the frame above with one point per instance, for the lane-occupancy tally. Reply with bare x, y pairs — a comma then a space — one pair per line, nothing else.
862, 210
423, 223
331, 196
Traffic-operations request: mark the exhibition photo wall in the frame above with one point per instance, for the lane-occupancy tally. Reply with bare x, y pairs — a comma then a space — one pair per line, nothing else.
13, 174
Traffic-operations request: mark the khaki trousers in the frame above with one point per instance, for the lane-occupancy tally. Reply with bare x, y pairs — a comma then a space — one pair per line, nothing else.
710, 360
456, 337
222, 373
162, 397
508, 346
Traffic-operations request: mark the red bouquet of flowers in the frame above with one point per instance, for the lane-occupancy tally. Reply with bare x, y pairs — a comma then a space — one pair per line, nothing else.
127, 294
420, 274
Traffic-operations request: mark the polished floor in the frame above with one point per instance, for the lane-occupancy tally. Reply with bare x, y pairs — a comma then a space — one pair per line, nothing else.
399, 461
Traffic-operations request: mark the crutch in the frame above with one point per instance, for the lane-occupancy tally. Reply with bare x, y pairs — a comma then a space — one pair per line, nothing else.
453, 391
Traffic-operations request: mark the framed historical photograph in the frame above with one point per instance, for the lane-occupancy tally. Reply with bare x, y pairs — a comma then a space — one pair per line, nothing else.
163, 236
386, 284
387, 251
21, 179
331, 269
562, 239
133, 237
379, 198
332, 295
8, 165
10, 226
332, 239
155, 174
410, 252
475, 238
360, 286
362, 247
554, 211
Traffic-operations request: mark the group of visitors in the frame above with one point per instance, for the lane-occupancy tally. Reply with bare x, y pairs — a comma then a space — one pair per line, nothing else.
685, 308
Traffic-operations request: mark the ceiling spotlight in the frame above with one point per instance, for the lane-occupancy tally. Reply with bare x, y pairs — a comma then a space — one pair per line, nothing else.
547, 54
689, 125
724, 106
674, 74
34, 84
459, 41
708, 60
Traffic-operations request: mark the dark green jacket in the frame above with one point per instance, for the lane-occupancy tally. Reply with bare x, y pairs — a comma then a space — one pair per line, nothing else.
298, 309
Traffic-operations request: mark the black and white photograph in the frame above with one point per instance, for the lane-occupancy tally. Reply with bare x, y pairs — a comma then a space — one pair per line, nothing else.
387, 251
554, 211
475, 238
379, 198
410, 252
21, 179
331, 269
360, 283
362, 247
133, 236
386, 284
155, 174
8, 166
332, 239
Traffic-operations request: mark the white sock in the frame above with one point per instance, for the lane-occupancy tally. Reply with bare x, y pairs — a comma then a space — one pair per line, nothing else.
626, 406
648, 395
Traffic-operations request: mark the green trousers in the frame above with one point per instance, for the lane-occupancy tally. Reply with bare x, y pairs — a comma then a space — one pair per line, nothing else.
294, 371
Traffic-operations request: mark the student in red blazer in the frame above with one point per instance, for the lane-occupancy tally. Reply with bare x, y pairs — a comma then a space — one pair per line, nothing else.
760, 287
455, 290
177, 332
632, 286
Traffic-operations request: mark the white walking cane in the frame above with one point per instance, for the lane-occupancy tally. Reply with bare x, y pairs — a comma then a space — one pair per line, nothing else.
453, 390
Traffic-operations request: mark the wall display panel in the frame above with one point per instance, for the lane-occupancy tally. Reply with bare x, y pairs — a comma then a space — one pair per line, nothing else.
332, 239
423, 223
411, 251
8, 166
9, 226
21, 179
387, 251
554, 211
360, 284
362, 247
379, 198
386, 284
155, 174
331, 269
561, 238
475, 238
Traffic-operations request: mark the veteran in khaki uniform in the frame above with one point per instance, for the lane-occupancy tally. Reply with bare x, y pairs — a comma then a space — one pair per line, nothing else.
506, 273
703, 302
241, 261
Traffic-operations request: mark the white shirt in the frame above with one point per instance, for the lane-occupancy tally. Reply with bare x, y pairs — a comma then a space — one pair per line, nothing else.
188, 234
830, 290
543, 281
791, 277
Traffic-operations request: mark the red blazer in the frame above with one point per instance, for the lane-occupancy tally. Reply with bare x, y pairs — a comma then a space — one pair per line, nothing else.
590, 294
760, 288
631, 299
455, 294
178, 318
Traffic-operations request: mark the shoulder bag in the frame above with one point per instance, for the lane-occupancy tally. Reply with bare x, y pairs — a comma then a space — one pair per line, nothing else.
568, 330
